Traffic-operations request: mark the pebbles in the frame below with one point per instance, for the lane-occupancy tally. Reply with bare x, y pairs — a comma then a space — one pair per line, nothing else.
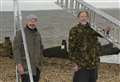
58, 70
7, 70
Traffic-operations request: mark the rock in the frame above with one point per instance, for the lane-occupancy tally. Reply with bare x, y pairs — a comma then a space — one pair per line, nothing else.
2, 51
6, 48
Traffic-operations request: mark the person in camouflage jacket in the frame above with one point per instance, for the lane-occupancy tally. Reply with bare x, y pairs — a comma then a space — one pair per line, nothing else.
84, 50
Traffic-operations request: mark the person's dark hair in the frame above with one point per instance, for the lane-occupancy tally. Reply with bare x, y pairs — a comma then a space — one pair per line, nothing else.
83, 11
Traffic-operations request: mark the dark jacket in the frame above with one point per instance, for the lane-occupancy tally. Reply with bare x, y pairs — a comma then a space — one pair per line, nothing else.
35, 49
84, 48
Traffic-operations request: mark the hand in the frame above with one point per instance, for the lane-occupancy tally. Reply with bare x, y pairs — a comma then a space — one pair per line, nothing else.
75, 67
107, 29
20, 69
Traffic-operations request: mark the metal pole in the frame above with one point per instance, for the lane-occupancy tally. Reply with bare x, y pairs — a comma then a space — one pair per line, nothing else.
57, 1
77, 7
15, 25
24, 42
17, 75
71, 4
66, 4
1, 30
62, 4
94, 15
15, 17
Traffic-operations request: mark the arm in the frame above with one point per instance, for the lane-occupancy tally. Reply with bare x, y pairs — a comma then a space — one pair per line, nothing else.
97, 34
17, 46
40, 57
73, 36
17, 51
73, 42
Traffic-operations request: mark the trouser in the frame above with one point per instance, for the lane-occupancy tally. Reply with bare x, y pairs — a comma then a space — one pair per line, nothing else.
83, 75
25, 77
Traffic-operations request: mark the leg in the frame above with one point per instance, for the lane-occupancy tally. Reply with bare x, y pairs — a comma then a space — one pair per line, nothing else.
37, 77
93, 75
81, 76
25, 78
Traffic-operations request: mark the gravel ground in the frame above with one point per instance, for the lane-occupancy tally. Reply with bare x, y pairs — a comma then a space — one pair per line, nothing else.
58, 70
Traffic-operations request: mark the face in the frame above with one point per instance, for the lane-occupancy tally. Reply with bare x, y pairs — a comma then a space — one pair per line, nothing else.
83, 18
32, 23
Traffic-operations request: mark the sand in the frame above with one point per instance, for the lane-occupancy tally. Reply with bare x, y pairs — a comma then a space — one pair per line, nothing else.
58, 70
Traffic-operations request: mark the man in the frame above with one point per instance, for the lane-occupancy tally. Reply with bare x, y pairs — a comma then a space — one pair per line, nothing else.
35, 49
84, 50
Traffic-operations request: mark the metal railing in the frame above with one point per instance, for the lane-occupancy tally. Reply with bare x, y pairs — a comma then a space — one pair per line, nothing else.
18, 24
99, 19
105, 20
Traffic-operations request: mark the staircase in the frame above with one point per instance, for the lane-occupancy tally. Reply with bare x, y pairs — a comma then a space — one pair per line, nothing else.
98, 19
55, 24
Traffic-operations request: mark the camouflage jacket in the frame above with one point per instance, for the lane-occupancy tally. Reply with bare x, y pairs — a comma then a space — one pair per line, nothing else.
84, 48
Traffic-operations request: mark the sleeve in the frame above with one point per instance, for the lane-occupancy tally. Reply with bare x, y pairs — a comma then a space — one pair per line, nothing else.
72, 43
17, 47
99, 49
72, 37
41, 56
97, 34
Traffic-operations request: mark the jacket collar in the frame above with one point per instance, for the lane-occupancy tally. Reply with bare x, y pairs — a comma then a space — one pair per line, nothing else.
86, 26
33, 30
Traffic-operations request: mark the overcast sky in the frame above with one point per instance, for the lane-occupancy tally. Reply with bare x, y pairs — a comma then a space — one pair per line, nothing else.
7, 5
30, 0
56, 0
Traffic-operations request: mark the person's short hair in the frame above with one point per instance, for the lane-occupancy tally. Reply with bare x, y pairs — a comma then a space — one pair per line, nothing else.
83, 11
30, 17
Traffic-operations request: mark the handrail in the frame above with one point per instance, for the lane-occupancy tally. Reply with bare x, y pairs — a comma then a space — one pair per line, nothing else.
75, 5
101, 13
18, 13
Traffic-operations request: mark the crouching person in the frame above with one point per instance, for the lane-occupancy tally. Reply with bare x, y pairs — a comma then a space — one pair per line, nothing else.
84, 50
35, 49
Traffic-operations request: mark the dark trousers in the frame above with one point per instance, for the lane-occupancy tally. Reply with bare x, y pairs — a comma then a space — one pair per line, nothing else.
85, 75
25, 77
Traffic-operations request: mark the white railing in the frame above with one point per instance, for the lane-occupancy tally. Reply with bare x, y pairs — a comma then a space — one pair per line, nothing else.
6, 33
99, 20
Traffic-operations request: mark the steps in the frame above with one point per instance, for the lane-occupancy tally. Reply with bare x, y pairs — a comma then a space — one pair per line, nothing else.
99, 20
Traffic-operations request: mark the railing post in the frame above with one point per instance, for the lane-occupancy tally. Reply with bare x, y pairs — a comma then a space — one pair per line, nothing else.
17, 75
62, 4
15, 17
18, 11
90, 16
58, 2
118, 33
71, 4
82, 6
77, 7
66, 4
94, 18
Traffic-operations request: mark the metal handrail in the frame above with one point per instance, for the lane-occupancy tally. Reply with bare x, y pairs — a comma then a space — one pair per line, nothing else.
97, 11
75, 5
101, 13
17, 13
